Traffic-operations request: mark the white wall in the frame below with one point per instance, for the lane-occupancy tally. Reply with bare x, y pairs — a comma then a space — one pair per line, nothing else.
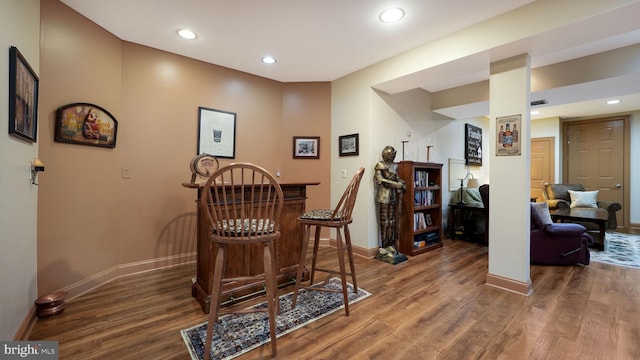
19, 27
393, 119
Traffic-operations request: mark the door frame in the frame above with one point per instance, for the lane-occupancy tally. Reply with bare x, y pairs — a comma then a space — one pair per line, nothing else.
626, 134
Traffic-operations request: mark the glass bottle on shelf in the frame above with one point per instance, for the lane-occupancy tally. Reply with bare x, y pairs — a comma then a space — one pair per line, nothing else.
508, 137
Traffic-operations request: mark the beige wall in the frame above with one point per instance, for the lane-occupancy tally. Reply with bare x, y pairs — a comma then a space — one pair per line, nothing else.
93, 224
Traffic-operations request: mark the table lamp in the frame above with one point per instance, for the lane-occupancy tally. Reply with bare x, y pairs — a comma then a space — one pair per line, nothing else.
473, 183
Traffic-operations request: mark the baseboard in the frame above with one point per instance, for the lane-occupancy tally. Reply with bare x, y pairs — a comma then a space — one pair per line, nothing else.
523, 288
357, 250
92, 282
27, 325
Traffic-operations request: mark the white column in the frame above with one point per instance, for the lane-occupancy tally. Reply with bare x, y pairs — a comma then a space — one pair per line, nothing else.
509, 217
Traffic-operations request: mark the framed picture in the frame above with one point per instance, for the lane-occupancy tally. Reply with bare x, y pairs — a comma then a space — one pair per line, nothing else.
508, 138
306, 147
348, 145
472, 145
428, 220
23, 97
85, 124
217, 133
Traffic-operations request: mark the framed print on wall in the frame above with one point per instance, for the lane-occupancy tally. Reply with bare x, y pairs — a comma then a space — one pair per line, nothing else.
23, 97
306, 147
216, 133
508, 139
85, 124
348, 145
472, 145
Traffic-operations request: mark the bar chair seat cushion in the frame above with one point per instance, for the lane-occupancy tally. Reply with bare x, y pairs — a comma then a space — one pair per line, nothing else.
321, 214
246, 226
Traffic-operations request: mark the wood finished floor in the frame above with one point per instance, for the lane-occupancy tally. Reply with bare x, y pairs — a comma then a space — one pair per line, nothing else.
434, 306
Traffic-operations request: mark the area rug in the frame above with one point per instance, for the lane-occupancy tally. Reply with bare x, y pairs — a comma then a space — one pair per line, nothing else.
236, 334
619, 249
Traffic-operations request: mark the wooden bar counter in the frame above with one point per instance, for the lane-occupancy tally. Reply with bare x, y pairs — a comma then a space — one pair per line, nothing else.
246, 259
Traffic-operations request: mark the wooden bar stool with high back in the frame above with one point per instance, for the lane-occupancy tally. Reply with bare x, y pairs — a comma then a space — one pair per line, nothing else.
243, 203
339, 219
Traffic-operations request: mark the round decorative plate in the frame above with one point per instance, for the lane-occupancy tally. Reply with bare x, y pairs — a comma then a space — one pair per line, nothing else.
204, 165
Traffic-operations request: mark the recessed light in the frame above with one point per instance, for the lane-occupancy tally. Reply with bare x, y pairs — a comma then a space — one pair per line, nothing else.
269, 60
391, 15
613, 102
187, 34
535, 112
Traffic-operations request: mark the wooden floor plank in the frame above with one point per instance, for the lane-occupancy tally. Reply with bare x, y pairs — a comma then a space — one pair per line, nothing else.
433, 306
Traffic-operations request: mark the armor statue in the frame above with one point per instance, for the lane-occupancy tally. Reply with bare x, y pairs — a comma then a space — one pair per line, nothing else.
389, 188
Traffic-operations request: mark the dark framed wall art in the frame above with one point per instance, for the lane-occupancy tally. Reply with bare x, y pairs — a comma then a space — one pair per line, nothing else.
306, 147
23, 97
216, 133
348, 145
472, 145
85, 124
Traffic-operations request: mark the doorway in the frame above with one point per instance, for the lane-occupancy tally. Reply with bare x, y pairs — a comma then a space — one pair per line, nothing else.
542, 165
597, 154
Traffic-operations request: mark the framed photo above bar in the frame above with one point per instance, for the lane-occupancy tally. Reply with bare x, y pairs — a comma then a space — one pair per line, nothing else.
85, 124
306, 147
216, 133
472, 145
348, 145
23, 97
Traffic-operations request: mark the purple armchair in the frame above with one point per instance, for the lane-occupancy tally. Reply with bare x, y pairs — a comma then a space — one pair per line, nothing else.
557, 243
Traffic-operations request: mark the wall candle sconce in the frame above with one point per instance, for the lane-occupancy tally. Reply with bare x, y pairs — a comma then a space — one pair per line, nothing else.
36, 166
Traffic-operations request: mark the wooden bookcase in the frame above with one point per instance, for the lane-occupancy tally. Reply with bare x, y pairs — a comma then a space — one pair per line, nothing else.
420, 223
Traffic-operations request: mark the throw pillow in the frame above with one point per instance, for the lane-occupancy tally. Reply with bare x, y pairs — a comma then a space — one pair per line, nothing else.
542, 210
584, 198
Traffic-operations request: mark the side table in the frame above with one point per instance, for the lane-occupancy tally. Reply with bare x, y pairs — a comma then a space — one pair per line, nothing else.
457, 214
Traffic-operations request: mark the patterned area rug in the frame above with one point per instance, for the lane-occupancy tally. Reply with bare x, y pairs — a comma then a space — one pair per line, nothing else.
619, 249
236, 334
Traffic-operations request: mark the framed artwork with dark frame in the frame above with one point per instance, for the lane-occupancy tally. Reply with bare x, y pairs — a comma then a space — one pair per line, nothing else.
85, 124
216, 133
23, 97
348, 145
306, 147
472, 145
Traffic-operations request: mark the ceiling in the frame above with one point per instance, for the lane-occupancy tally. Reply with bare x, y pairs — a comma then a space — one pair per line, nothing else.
323, 40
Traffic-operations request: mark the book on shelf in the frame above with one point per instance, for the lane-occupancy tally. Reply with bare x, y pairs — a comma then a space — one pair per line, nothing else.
421, 178
428, 238
419, 221
424, 198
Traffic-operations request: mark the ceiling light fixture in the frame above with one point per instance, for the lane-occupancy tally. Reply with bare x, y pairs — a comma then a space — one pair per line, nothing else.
391, 15
613, 102
187, 34
269, 60
535, 112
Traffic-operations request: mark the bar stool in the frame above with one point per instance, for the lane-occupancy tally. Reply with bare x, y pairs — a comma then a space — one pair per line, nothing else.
339, 219
243, 203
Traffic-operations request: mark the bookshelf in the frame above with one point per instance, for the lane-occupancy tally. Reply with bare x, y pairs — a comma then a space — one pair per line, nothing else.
421, 207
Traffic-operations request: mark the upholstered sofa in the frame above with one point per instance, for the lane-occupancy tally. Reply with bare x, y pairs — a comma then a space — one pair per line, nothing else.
557, 243
557, 196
